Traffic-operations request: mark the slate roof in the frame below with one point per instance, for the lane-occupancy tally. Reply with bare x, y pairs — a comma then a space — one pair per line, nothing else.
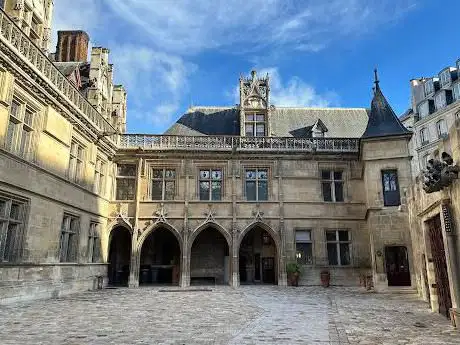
285, 122
382, 119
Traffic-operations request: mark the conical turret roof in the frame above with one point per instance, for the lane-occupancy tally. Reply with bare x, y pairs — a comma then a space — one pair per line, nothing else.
382, 119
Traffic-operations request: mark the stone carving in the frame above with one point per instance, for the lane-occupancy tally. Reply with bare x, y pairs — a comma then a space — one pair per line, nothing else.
209, 213
258, 214
440, 173
161, 214
19, 5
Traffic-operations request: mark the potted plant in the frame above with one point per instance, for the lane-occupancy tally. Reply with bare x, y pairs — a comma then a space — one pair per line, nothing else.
325, 278
293, 272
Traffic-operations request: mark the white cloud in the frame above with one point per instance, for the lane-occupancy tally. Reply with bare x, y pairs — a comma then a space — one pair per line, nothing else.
190, 26
293, 93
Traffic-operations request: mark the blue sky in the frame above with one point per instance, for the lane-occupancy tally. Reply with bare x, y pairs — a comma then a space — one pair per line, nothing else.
170, 54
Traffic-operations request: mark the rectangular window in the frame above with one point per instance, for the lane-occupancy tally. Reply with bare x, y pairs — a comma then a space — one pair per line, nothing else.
456, 90
163, 184
99, 176
256, 184
68, 243
424, 136
390, 186
424, 109
332, 185
126, 182
440, 100
76, 162
445, 77
20, 130
304, 247
210, 184
255, 125
338, 247
429, 87
441, 128
12, 217
94, 242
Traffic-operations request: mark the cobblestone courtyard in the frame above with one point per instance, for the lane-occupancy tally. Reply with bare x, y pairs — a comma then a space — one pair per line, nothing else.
248, 315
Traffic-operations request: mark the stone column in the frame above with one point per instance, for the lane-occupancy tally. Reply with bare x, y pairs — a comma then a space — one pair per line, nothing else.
185, 261
235, 278
135, 259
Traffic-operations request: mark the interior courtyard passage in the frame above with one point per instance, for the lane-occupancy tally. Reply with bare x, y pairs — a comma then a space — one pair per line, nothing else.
261, 314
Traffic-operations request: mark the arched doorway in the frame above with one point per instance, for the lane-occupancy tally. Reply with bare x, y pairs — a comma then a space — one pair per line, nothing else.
160, 258
119, 256
258, 262
209, 258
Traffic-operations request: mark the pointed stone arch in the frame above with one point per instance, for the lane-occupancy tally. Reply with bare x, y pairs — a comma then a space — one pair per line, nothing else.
210, 224
265, 227
160, 224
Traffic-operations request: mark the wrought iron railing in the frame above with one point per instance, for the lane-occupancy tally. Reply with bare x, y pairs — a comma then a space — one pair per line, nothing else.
229, 143
12, 36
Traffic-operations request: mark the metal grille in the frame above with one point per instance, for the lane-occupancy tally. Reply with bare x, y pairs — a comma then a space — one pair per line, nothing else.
440, 266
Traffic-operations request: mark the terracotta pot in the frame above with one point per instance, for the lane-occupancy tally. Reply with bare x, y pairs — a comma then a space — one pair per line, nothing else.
293, 279
325, 278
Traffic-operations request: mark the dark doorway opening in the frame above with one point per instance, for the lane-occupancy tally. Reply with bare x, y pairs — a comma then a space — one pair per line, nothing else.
119, 256
257, 258
209, 261
440, 266
160, 259
397, 266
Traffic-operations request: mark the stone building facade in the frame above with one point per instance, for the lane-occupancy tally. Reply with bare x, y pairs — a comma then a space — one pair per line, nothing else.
226, 196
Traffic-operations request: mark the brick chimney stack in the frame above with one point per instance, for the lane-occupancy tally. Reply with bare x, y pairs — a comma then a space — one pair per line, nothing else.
72, 46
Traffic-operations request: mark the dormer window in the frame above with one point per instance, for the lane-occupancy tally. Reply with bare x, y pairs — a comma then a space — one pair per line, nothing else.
445, 77
456, 91
440, 100
424, 109
429, 87
255, 125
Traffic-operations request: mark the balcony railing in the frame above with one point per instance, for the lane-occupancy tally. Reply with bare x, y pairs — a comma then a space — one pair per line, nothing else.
235, 143
22, 45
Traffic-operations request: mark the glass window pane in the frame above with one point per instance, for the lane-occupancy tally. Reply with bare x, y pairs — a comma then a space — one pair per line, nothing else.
157, 173
262, 174
204, 174
216, 190
216, 175
250, 174
170, 174
327, 192
303, 236
14, 109
11, 232
170, 190
10, 135
260, 130
204, 190
126, 170
250, 190
15, 211
2, 208
304, 253
338, 191
157, 187
343, 235
249, 130
260, 117
337, 175
331, 236
344, 253
332, 254
29, 118
325, 175
263, 190
249, 117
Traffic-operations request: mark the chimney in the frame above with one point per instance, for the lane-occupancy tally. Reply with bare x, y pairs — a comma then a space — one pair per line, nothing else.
72, 46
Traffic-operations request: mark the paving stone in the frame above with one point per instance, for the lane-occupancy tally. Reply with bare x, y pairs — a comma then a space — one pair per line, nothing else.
248, 315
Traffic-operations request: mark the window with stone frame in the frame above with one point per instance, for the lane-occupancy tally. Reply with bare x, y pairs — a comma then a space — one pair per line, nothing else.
21, 129
163, 184
424, 109
75, 171
441, 128
440, 100
126, 182
338, 244
445, 77
254, 125
456, 91
100, 171
390, 186
424, 139
304, 247
332, 185
12, 226
256, 184
68, 243
94, 242
429, 87
210, 184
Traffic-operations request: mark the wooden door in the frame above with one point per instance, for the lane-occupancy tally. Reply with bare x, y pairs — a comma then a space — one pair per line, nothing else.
440, 267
